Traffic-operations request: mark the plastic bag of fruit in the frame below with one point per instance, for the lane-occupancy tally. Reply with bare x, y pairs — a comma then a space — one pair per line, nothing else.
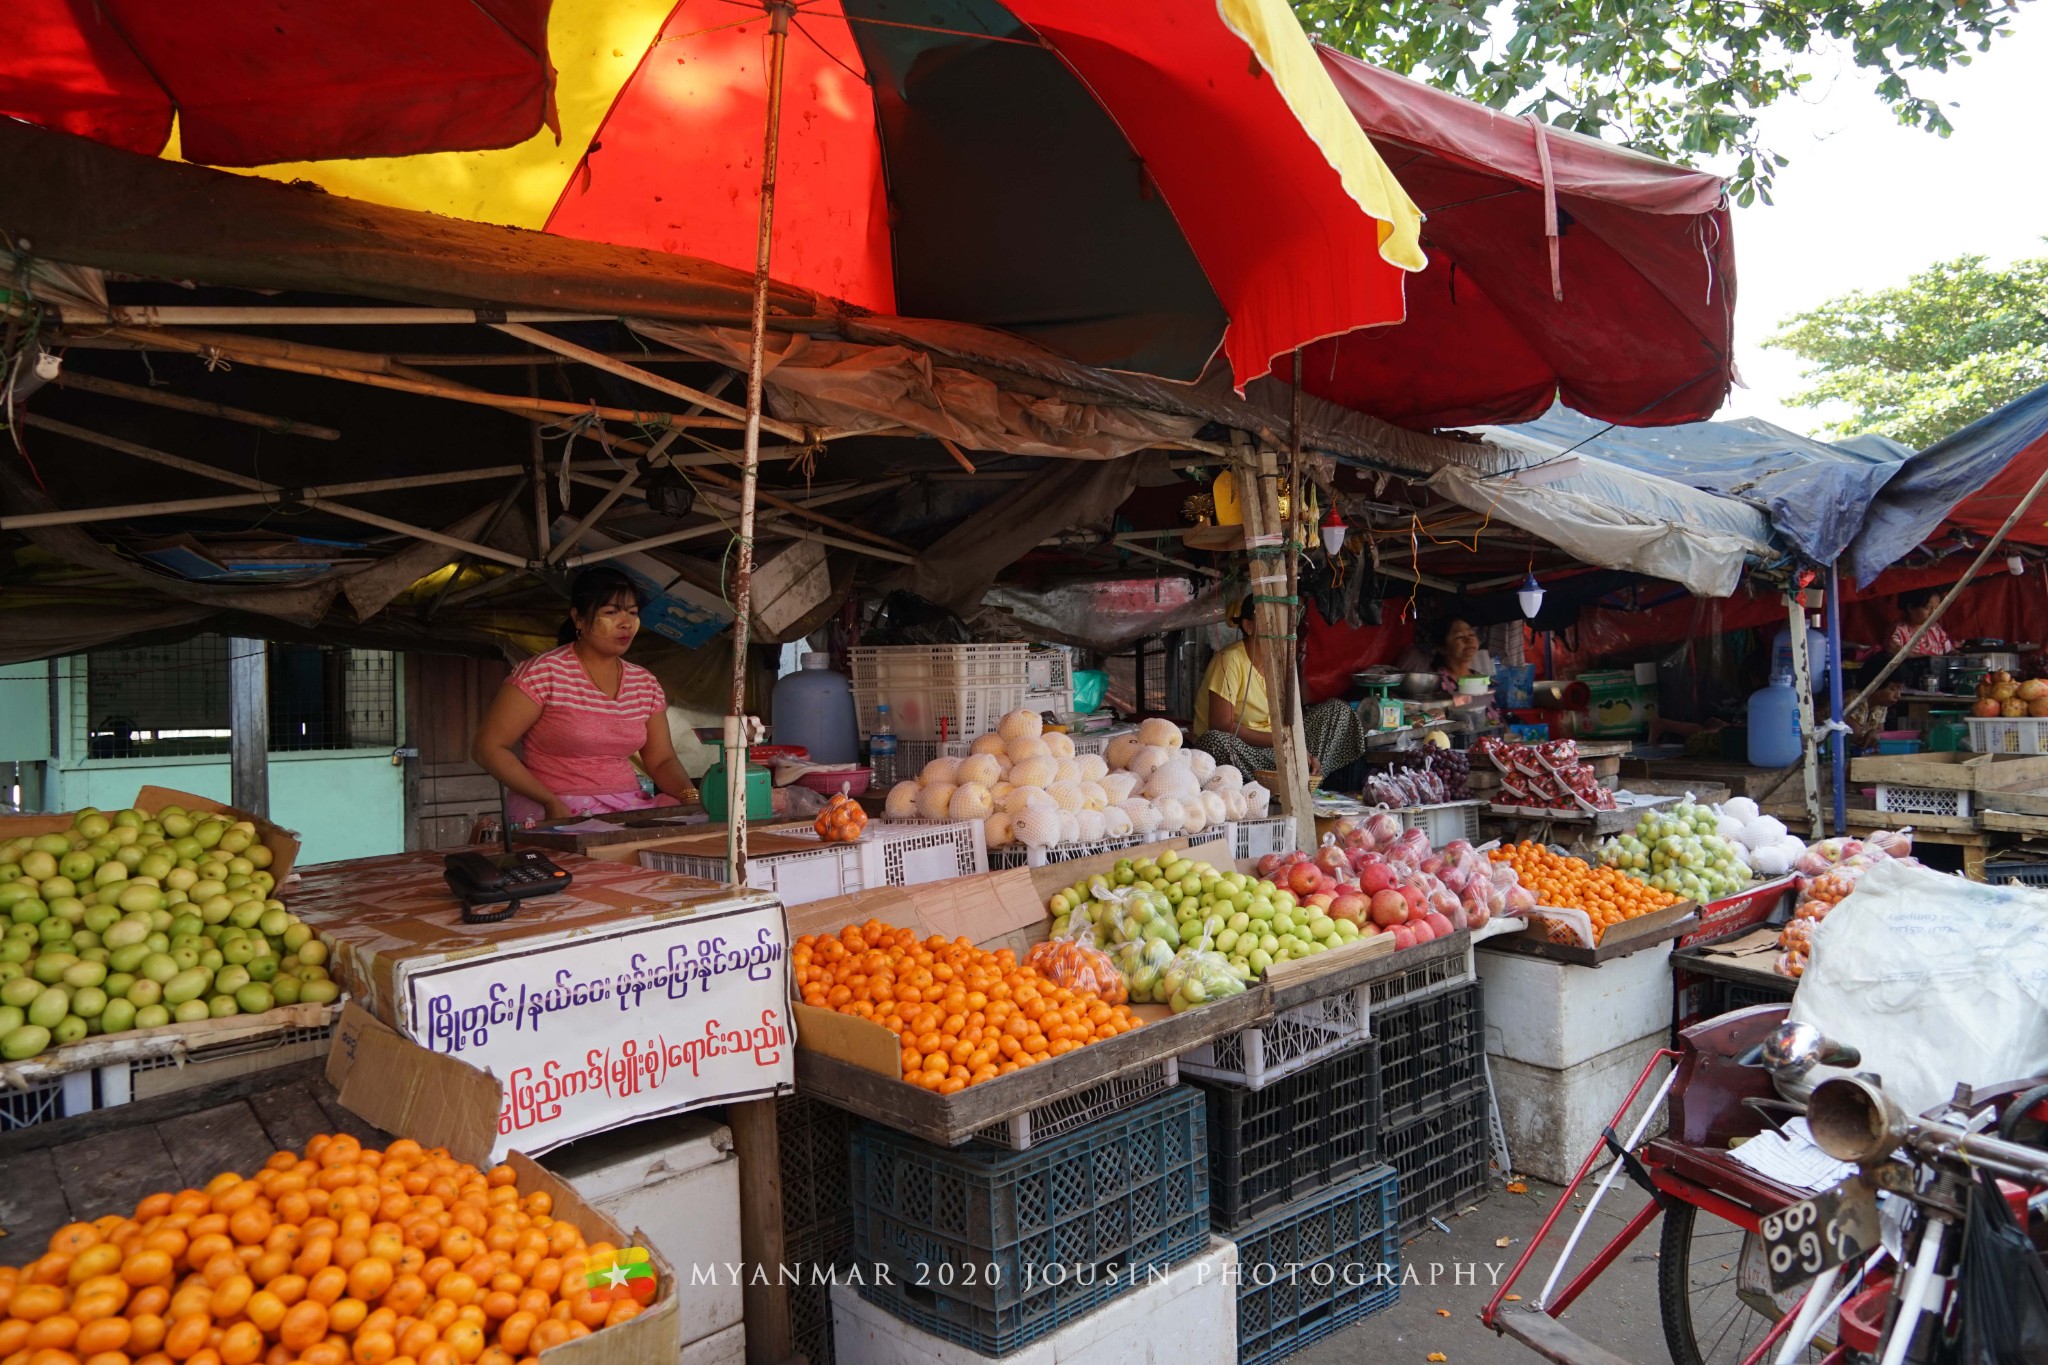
1142, 963
1195, 978
1080, 966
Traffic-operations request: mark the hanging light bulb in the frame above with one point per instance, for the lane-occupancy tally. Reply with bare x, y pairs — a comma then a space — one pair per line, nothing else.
1333, 533
1531, 594
2015, 566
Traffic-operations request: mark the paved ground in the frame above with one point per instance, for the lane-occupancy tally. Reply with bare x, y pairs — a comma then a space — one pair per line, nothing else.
1620, 1312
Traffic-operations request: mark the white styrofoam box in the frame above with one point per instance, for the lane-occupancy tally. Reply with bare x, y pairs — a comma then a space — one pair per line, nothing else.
1557, 1015
1188, 1317
1554, 1118
678, 1181
728, 1347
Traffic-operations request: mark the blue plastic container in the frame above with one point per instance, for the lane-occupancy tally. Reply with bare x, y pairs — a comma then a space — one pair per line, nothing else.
1774, 740
813, 707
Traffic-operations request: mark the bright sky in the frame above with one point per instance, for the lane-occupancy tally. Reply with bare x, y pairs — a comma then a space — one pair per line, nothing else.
1865, 202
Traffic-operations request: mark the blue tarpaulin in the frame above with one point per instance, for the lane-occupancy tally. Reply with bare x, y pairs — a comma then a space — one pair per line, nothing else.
1814, 493
1973, 479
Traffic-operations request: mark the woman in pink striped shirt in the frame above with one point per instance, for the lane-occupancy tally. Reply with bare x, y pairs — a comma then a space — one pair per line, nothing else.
580, 714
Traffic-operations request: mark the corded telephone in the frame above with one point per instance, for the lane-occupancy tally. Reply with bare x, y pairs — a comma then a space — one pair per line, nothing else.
487, 878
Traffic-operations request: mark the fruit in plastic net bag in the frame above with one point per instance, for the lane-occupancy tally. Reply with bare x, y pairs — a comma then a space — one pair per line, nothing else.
971, 801
1195, 978
1031, 746
1143, 963
990, 743
1195, 816
982, 769
1893, 843
1148, 760
996, 830
1144, 816
1120, 787
1058, 744
1093, 796
1066, 795
901, 803
842, 820
1225, 779
940, 772
1093, 769
1020, 799
934, 800
1037, 826
1201, 763
1258, 802
1121, 750
1235, 807
1078, 966
1116, 822
1034, 772
1020, 725
1159, 731
1214, 806
1066, 770
1089, 821
1173, 816
1070, 827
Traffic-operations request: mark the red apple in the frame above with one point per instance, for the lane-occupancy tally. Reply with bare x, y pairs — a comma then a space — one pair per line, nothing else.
1303, 878
1417, 903
1330, 857
1440, 922
1352, 906
1389, 908
1268, 863
1375, 876
1421, 929
1404, 937
1322, 900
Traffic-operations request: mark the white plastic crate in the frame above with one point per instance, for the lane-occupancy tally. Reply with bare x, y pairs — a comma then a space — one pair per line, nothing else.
1067, 1112
796, 878
46, 1101
1049, 669
1017, 855
911, 853
1922, 801
962, 689
1257, 838
1445, 822
1097, 741
1256, 1057
125, 1081
1438, 966
2008, 735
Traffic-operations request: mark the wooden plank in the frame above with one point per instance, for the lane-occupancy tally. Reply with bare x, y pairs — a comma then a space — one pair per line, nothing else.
765, 1298
1552, 1340
290, 1116
224, 1138
1630, 936
2007, 822
113, 1172
65, 1132
2016, 803
32, 1206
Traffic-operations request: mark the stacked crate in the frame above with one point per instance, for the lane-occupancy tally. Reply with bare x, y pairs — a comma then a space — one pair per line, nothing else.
817, 1215
1433, 1099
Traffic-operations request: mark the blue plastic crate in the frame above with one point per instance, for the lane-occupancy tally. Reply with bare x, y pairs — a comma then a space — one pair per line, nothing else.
993, 1250
1318, 1265
1430, 1048
815, 1140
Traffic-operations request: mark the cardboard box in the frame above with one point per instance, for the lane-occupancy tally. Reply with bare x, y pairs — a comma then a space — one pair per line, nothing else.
282, 843
437, 1101
632, 995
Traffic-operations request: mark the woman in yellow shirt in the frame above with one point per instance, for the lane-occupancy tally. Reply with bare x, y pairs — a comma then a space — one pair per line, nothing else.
1233, 715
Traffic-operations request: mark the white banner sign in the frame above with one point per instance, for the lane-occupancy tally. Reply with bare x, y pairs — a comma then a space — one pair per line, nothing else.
601, 1030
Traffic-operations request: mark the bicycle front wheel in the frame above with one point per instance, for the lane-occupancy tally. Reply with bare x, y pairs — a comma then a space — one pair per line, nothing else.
1707, 1319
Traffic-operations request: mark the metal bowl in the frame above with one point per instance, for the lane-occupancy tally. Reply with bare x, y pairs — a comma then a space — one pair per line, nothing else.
1421, 686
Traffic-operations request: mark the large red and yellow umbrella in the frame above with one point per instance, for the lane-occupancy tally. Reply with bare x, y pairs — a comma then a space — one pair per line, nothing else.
1135, 184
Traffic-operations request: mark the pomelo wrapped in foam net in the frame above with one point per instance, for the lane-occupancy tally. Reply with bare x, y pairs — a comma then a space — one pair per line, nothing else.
1036, 826
990, 743
1234, 804
1066, 770
1160, 732
902, 801
1000, 789
1144, 815
1148, 760
1121, 750
1090, 822
1020, 725
1119, 786
1092, 766
985, 769
970, 801
1062, 746
996, 830
1116, 823
1257, 800
1034, 772
940, 770
1070, 827
1196, 818
1093, 797
935, 800
1171, 781
1202, 763
1030, 746
1227, 779
1173, 816
1067, 795
1021, 799
1214, 808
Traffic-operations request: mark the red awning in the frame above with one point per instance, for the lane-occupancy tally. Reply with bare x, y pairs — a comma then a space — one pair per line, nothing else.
1644, 261
263, 81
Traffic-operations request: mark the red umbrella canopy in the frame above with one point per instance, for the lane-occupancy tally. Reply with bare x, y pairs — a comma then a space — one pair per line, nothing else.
1633, 325
1136, 185
257, 81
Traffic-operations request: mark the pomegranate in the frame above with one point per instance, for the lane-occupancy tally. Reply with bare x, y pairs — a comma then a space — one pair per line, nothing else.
1389, 908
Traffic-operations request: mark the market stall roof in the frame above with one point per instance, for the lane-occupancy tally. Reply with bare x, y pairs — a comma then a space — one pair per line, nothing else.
1560, 267
1972, 480
1813, 492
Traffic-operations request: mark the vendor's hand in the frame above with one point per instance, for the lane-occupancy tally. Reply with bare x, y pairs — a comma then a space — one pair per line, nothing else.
1314, 768
555, 810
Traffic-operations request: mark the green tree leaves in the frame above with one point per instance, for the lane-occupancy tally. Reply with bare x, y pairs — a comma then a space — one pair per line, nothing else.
1957, 341
1682, 79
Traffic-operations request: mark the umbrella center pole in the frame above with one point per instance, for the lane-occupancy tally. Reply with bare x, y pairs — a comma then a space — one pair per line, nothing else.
779, 12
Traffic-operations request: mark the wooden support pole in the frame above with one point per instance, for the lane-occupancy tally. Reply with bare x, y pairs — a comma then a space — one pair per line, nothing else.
163, 398
1802, 692
1272, 645
249, 725
136, 510
758, 1144
536, 476
598, 360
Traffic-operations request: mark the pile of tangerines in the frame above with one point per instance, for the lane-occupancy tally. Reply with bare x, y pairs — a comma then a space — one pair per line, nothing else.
964, 1014
1608, 897
341, 1256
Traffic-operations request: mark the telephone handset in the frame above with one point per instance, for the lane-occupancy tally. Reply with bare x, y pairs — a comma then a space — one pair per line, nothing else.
488, 878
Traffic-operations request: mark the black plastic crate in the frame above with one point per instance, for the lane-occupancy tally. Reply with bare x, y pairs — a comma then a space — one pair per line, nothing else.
813, 1263
1430, 1048
993, 1249
1317, 1265
817, 1166
1299, 1134
1442, 1157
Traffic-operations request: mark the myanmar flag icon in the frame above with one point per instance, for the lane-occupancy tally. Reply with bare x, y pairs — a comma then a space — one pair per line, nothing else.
624, 1274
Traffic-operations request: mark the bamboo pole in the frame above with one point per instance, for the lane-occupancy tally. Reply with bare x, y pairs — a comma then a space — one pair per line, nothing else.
85, 515
135, 393
188, 315
537, 479
612, 493
201, 343
1899, 656
1272, 654
497, 519
597, 360
1138, 547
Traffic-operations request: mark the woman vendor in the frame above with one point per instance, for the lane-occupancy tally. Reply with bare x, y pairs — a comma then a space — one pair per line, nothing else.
1233, 720
580, 714
1455, 657
1867, 721
1916, 607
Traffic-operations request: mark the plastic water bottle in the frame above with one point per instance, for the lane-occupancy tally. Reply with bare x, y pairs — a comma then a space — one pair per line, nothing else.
882, 749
